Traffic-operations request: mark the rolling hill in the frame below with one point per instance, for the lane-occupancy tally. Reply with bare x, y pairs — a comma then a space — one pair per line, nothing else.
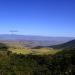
68, 45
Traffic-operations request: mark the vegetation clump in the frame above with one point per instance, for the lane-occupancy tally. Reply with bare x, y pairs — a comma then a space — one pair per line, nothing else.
60, 63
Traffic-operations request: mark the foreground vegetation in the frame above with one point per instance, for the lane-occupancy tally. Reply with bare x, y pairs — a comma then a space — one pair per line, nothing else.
58, 63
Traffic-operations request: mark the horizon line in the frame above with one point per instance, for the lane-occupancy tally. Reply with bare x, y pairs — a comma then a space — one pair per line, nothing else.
37, 35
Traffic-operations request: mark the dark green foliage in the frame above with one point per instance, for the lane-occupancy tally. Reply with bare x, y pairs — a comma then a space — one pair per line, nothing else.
3, 47
62, 63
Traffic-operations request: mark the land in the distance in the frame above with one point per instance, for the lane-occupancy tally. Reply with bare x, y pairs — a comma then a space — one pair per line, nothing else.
32, 56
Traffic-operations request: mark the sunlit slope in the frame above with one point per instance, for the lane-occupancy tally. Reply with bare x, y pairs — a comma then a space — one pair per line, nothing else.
42, 51
13, 44
18, 48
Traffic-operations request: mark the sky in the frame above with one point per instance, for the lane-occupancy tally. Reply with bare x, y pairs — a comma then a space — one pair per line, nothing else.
38, 17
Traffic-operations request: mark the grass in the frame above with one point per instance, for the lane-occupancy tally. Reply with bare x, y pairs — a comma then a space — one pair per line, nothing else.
17, 48
45, 51
20, 50
42, 51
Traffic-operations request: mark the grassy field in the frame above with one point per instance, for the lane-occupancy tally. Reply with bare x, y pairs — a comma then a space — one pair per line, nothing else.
42, 51
18, 48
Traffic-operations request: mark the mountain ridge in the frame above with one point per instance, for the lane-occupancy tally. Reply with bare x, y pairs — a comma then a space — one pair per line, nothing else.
67, 45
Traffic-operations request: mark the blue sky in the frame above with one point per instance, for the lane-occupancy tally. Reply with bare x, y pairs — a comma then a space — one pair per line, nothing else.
38, 17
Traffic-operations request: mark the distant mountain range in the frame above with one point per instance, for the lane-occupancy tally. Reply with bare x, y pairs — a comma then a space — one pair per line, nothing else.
33, 41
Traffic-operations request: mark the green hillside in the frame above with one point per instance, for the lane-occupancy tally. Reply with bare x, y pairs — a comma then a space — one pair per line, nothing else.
43, 61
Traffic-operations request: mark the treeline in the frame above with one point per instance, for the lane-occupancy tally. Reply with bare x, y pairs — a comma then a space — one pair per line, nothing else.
62, 63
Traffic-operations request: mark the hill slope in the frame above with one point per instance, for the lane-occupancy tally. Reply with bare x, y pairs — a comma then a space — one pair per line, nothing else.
69, 45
